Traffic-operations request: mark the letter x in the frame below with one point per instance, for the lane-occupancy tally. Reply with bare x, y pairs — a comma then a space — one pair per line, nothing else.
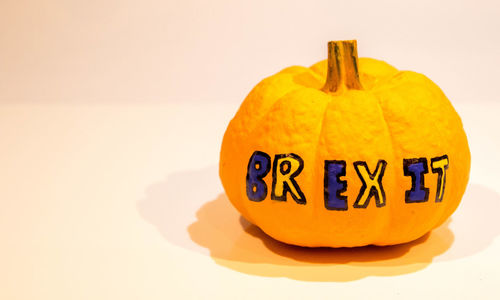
372, 184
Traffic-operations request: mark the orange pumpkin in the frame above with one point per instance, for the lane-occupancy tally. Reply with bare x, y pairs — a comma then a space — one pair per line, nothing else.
345, 153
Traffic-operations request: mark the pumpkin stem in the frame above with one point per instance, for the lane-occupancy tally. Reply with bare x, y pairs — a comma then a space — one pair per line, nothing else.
342, 67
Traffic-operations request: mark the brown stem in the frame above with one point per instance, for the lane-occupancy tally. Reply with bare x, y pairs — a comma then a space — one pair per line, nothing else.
342, 67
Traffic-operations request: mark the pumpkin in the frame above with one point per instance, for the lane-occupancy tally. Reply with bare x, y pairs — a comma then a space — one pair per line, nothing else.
345, 153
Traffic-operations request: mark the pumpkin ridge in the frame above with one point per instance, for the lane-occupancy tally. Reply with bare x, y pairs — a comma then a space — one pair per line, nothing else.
443, 211
257, 120
446, 210
237, 123
379, 90
445, 207
321, 128
252, 132
317, 72
383, 233
297, 87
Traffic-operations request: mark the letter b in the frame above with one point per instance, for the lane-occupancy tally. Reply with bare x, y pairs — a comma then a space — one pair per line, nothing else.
258, 167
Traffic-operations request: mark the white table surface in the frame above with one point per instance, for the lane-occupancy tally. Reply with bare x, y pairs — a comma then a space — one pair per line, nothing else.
111, 119
114, 201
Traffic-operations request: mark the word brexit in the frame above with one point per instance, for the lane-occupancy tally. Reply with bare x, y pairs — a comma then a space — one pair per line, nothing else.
286, 167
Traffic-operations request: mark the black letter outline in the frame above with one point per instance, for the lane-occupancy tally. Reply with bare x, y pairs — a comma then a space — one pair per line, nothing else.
373, 192
259, 177
441, 179
286, 188
342, 182
406, 163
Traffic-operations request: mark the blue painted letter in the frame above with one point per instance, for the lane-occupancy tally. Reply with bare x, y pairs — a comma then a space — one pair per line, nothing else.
416, 168
334, 187
258, 167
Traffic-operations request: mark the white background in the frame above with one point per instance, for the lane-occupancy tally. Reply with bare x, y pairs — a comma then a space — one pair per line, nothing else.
111, 119
191, 51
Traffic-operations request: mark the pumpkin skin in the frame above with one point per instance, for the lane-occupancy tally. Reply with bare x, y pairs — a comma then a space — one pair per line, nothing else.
395, 115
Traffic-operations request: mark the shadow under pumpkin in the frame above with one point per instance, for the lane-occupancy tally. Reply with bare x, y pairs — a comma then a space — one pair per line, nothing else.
236, 244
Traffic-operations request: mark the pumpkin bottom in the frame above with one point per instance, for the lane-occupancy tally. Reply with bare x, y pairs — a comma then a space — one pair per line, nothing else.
333, 244
317, 237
